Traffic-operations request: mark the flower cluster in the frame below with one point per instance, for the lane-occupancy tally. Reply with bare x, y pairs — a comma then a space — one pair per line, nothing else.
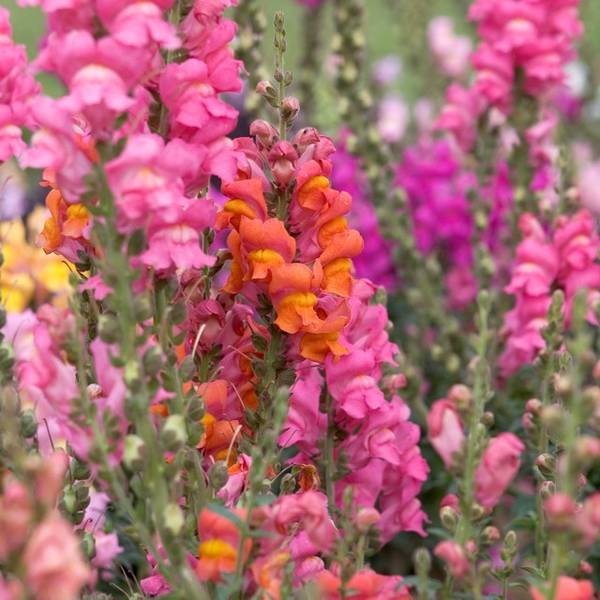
240, 365
566, 260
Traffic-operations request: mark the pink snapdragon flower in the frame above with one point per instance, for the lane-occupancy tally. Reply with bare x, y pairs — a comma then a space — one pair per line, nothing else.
17, 88
498, 467
450, 51
174, 238
57, 148
446, 431
54, 567
16, 517
138, 24
567, 261
454, 557
99, 74
146, 179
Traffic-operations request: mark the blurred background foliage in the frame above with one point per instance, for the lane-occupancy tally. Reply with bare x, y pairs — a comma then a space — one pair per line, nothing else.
393, 27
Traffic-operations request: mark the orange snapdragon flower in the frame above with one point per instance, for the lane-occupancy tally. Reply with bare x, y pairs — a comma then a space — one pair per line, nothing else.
246, 199
219, 545
257, 248
65, 221
311, 194
291, 289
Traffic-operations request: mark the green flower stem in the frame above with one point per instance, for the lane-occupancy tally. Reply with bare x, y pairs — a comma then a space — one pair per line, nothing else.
329, 457
566, 481
154, 477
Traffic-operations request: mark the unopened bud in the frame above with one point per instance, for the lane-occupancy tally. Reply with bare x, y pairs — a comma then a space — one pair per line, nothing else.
487, 419
546, 464
218, 475
471, 547
152, 360
422, 561
552, 416
490, 534
560, 509
131, 374
585, 568
79, 470
108, 329
88, 545
510, 540
563, 385
174, 434
265, 88
533, 406
587, 451
173, 519
365, 518
195, 409
461, 396
448, 517
134, 451
142, 308
290, 107
28, 423
478, 512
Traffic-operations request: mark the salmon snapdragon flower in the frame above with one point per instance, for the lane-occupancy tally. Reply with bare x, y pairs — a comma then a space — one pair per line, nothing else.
219, 545
66, 230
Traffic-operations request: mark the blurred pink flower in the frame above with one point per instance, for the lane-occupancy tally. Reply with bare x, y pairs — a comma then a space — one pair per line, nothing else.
450, 51
454, 557
498, 467
446, 432
54, 567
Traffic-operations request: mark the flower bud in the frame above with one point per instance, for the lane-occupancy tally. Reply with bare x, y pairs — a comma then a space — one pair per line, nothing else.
152, 360
108, 329
585, 568
365, 518
452, 501
131, 374
79, 470
461, 396
422, 561
173, 519
547, 488
134, 451
454, 557
510, 540
218, 475
471, 547
195, 409
88, 545
265, 133
478, 512
173, 434
265, 88
28, 423
563, 385
560, 510
448, 517
587, 451
142, 308
552, 416
487, 419
69, 500
546, 464
290, 107
490, 534
533, 406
